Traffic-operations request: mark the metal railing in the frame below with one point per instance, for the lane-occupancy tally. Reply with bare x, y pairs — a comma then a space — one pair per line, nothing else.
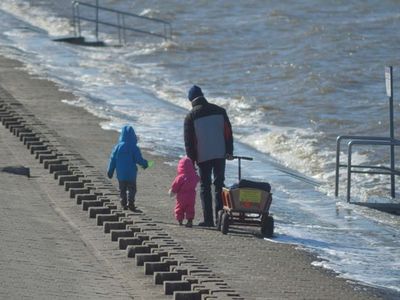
120, 24
371, 141
366, 141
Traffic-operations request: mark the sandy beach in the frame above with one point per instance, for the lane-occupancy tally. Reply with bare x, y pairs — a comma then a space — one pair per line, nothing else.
249, 266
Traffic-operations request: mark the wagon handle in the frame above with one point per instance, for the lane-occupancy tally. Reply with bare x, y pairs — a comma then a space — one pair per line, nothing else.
239, 158
242, 157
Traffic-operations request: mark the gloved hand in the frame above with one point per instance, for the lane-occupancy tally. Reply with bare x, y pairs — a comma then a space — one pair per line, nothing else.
110, 174
146, 165
171, 193
229, 156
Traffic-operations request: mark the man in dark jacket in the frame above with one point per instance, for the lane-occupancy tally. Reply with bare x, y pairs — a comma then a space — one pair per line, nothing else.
208, 142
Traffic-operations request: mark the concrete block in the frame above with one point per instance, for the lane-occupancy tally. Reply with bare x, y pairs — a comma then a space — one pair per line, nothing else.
57, 167
191, 279
115, 234
110, 205
101, 218
34, 143
160, 277
187, 295
47, 151
78, 191
26, 134
181, 271
225, 292
155, 266
73, 185
94, 211
142, 236
47, 156
201, 289
171, 286
13, 127
108, 226
135, 249
18, 131
51, 161
36, 148
10, 124
141, 258
86, 204
70, 177
61, 173
29, 139
7, 120
124, 242
80, 198
133, 228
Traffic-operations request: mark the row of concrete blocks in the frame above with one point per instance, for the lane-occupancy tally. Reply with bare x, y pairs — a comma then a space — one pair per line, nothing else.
170, 264
74, 180
181, 274
45, 148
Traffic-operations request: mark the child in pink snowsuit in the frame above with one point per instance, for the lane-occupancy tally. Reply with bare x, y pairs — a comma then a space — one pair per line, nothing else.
184, 186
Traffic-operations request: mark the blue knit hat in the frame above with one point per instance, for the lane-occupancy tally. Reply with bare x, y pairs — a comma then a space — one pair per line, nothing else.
194, 92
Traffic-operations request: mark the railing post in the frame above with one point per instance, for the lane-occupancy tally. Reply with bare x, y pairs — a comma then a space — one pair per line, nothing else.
79, 19
350, 144
74, 17
123, 28
389, 92
239, 168
97, 20
165, 32
119, 27
338, 139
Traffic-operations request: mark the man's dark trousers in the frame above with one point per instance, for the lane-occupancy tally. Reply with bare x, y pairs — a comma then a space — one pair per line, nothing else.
215, 167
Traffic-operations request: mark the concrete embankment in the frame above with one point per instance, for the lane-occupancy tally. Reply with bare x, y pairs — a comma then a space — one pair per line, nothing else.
64, 235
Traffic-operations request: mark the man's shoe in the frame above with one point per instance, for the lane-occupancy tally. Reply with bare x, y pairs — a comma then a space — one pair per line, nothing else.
206, 224
132, 207
124, 206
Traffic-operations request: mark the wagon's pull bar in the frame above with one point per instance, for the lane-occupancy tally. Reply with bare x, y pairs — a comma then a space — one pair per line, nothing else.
239, 166
242, 157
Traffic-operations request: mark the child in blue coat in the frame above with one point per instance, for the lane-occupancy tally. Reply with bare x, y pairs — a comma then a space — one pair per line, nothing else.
124, 159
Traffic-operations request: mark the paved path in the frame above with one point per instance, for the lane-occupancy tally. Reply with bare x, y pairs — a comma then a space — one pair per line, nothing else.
58, 251
42, 254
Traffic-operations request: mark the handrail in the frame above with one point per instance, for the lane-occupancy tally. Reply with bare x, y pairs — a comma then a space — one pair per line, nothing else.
347, 137
167, 30
371, 140
362, 140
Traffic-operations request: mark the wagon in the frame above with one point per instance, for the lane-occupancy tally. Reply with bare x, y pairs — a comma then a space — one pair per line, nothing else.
246, 203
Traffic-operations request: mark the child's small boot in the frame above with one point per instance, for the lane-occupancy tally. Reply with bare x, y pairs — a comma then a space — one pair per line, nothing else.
189, 223
180, 222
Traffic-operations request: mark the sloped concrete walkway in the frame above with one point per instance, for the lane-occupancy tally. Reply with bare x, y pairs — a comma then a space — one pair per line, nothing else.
67, 255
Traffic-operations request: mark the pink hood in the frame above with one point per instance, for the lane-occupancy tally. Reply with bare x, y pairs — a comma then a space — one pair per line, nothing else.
185, 167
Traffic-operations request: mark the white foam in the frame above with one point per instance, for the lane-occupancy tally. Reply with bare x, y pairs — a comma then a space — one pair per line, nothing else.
45, 20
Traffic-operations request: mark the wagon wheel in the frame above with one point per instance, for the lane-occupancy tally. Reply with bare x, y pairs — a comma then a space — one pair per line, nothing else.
267, 226
225, 223
219, 219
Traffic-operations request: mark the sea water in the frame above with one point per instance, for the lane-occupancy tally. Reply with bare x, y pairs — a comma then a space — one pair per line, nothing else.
292, 77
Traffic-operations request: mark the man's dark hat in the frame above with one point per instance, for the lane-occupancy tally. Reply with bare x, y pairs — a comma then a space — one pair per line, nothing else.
194, 93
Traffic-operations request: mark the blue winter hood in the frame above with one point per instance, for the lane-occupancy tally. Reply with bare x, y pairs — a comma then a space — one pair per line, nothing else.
128, 135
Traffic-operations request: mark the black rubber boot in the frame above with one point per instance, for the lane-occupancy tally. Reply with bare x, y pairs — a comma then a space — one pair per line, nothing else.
132, 206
